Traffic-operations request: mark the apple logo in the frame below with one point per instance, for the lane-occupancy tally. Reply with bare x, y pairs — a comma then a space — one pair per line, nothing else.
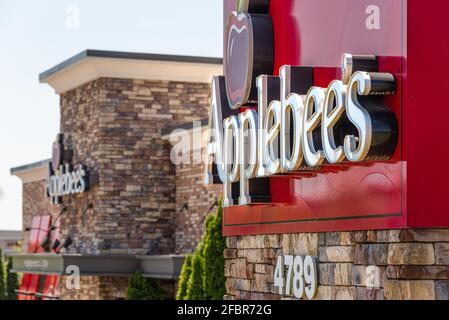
249, 51
57, 152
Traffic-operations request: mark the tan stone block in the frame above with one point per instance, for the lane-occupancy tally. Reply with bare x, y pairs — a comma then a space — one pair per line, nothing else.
228, 268
371, 236
425, 235
409, 290
411, 254
243, 284
305, 244
347, 238
260, 284
243, 295
343, 293
369, 294
250, 242
326, 273
324, 293
287, 244
367, 276
260, 268
371, 254
342, 274
269, 271
230, 286
336, 254
388, 236
332, 238
360, 236
231, 242
250, 271
272, 241
252, 255
442, 253
269, 253
442, 290
238, 269
230, 253
418, 272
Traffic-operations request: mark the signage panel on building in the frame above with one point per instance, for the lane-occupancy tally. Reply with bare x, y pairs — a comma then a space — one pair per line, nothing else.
63, 179
311, 113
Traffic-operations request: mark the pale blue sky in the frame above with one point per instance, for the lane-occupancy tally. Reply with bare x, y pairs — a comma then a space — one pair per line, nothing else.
36, 35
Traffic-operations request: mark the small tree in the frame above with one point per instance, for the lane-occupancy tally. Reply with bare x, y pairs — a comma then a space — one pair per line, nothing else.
214, 245
206, 268
184, 278
195, 290
140, 288
2, 278
12, 281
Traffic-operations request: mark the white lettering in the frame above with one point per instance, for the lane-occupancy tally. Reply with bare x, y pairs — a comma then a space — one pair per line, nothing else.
373, 20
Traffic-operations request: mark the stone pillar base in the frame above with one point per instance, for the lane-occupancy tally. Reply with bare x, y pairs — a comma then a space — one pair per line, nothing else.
361, 265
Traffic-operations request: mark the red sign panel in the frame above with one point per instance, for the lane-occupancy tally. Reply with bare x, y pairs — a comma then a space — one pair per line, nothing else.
34, 284
404, 191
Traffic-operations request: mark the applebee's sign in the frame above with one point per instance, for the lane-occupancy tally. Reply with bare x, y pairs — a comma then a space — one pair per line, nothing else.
296, 126
62, 178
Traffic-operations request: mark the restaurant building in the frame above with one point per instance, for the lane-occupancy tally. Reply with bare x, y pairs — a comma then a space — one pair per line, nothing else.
111, 201
327, 131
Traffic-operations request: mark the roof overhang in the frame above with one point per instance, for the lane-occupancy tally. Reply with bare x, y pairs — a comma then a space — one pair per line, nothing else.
10, 235
31, 172
90, 65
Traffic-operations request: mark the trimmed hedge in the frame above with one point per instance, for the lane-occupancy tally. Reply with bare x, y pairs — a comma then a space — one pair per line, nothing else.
12, 281
202, 276
184, 278
213, 259
195, 290
140, 288
2, 278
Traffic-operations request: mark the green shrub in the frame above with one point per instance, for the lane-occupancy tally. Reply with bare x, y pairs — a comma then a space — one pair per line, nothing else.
205, 271
2, 278
213, 259
140, 288
195, 290
12, 281
184, 278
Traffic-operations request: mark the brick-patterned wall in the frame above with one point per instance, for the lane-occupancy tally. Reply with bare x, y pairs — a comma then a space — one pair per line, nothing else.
115, 127
406, 264
104, 288
191, 191
94, 288
34, 202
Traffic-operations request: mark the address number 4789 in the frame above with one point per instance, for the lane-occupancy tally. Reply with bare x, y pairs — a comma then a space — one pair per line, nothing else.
296, 275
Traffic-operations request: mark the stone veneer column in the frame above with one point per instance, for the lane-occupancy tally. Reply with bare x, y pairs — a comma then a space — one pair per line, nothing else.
115, 128
365, 265
193, 200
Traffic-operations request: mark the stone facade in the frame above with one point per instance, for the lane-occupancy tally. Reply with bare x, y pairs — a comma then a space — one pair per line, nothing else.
34, 203
104, 288
115, 128
138, 196
193, 202
362, 265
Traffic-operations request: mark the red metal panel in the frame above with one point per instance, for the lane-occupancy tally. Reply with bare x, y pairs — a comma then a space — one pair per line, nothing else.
32, 283
427, 138
346, 197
